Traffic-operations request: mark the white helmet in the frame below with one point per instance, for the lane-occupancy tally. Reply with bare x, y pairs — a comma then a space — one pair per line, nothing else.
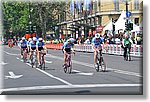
40, 39
72, 40
23, 38
30, 39
97, 35
34, 39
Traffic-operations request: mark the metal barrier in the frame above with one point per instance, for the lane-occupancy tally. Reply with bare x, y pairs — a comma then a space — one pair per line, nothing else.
136, 50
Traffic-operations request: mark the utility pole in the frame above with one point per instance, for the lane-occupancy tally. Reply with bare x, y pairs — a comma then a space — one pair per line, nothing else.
127, 21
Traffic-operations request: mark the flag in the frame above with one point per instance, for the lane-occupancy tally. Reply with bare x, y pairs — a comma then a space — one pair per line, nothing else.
78, 3
87, 5
72, 7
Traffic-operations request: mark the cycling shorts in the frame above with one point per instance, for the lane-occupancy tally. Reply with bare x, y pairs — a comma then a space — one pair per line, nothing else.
40, 48
33, 48
68, 50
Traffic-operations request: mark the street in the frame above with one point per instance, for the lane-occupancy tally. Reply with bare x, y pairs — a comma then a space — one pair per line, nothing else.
121, 77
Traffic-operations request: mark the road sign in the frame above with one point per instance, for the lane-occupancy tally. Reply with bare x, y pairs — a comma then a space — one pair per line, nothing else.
128, 14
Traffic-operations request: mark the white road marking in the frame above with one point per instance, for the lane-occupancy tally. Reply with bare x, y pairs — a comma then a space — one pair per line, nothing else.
84, 56
13, 76
3, 63
11, 54
50, 75
48, 61
69, 86
82, 73
92, 66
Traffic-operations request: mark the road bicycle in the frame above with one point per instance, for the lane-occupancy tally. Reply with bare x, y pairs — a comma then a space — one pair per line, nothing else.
24, 55
101, 65
34, 61
42, 60
68, 65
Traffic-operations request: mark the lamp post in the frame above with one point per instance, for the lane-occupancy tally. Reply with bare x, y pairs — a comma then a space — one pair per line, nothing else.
127, 21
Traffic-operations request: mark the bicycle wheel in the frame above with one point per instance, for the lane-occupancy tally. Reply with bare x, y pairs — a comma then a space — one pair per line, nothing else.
65, 68
24, 57
97, 64
102, 64
70, 68
97, 67
32, 63
43, 65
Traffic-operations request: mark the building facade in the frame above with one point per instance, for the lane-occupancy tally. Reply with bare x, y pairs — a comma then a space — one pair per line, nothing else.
76, 22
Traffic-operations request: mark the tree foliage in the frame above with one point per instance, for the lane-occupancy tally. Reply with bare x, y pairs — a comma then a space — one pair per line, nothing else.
44, 15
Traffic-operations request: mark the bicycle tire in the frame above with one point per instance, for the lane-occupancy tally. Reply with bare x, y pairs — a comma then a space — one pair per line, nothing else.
103, 65
65, 69
70, 68
24, 57
97, 68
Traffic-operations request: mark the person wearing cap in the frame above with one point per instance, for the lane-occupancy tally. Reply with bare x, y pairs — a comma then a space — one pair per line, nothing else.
40, 47
67, 48
32, 46
96, 44
127, 42
23, 46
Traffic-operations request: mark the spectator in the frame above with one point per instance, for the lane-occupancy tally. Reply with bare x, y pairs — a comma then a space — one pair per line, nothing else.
87, 41
82, 39
138, 39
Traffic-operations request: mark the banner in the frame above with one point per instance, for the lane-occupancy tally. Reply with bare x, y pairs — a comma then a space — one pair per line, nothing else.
72, 7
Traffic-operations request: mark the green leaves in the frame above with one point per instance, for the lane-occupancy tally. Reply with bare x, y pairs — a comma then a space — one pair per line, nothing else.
44, 15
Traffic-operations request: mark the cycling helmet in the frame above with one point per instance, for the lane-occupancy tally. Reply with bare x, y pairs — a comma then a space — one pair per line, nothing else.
97, 35
30, 39
72, 40
40, 39
34, 39
23, 38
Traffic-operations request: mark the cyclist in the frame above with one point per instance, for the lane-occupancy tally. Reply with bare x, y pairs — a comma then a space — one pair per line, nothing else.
32, 46
40, 47
23, 46
67, 48
127, 45
96, 44
28, 47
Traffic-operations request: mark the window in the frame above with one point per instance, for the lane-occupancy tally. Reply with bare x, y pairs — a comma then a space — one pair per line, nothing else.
116, 5
136, 21
136, 5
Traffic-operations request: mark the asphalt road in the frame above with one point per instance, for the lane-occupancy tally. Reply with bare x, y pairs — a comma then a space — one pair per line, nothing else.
122, 77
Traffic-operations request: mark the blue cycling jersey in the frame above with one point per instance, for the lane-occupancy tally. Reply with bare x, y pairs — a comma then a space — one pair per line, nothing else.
23, 44
28, 43
67, 45
33, 44
97, 42
40, 44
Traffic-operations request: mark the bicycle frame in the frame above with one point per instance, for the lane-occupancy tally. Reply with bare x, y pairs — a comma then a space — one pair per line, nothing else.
100, 61
42, 61
34, 59
68, 66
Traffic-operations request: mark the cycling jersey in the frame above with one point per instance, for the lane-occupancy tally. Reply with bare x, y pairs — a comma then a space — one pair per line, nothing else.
127, 42
97, 43
33, 45
23, 44
28, 43
40, 45
67, 46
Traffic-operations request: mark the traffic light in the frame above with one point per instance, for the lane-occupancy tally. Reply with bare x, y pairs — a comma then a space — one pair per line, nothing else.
129, 26
27, 29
